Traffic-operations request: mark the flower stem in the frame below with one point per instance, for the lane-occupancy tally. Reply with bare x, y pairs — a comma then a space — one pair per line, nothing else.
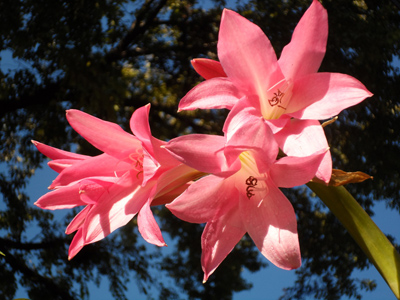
364, 231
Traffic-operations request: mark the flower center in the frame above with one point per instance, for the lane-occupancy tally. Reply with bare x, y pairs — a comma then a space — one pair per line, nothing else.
248, 178
274, 103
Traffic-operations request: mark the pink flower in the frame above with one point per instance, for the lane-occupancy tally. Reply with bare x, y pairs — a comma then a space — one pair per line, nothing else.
249, 74
116, 185
241, 194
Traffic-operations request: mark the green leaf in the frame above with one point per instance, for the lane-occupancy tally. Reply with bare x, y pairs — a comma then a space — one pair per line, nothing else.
363, 230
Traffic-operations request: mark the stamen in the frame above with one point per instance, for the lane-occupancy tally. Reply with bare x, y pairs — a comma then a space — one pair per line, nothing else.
277, 99
252, 186
251, 182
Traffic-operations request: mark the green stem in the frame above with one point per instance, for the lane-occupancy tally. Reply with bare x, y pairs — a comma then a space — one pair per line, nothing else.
364, 231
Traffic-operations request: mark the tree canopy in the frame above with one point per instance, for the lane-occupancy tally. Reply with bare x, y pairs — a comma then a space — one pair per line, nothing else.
108, 58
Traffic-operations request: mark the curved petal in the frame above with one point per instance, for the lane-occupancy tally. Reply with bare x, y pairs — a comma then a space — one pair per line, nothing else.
205, 199
247, 55
324, 95
139, 124
303, 138
238, 114
101, 165
105, 136
208, 68
91, 189
78, 221
54, 153
65, 197
291, 171
278, 124
271, 223
202, 152
148, 226
213, 93
219, 238
304, 54
248, 131
116, 208
140, 127
76, 245
60, 165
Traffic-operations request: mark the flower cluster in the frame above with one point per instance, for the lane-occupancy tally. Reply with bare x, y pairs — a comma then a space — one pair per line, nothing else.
272, 138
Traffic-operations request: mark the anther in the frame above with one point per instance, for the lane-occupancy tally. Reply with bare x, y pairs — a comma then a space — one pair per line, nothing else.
277, 99
251, 182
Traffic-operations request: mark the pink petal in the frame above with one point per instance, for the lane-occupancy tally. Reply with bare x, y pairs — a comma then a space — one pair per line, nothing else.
92, 189
78, 221
60, 165
65, 197
202, 152
76, 245
148, 226
116, 208
278, 124
205, 199
154, 157
291, 171
271, 223
213, 93
101, 165
208, 68
324, 95
105, 136
248, 131
150, 168
304, 54
247, 55
303, 138
54, 153
238, 114
140, 127
219, 238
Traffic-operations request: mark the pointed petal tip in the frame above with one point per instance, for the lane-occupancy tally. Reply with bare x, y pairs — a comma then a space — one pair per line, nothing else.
205, 278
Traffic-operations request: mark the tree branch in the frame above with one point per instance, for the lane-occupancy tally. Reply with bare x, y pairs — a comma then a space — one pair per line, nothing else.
33, 276
144, 19
7, 243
